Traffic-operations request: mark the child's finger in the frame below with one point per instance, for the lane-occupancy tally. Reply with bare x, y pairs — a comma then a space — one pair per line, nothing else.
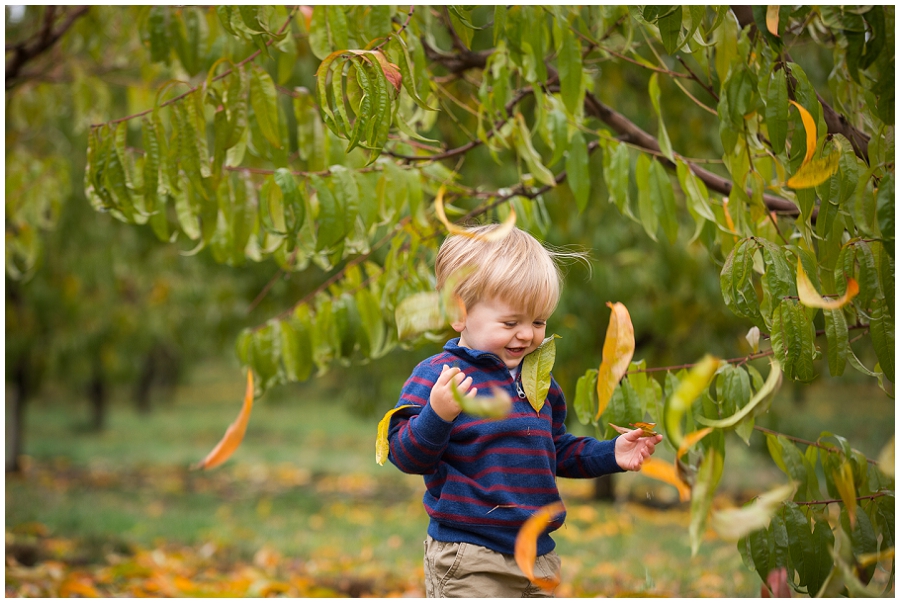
472, 392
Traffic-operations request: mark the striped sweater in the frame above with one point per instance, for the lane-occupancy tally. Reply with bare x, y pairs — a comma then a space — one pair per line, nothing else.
484, 478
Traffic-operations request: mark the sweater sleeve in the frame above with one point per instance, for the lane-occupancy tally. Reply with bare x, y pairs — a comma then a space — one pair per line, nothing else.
579, 457
417, 435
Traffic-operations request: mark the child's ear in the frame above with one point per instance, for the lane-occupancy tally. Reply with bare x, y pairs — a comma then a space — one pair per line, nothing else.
459, 325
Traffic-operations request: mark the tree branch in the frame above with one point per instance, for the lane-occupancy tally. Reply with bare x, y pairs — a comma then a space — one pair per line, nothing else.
39, 43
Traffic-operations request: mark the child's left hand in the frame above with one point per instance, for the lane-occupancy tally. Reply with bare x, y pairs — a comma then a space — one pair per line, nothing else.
632, 449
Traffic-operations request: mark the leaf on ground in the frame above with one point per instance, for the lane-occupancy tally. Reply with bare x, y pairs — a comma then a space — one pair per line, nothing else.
666, 472
526, 543
536, 369
498, 234
234, 435
618, 349
381, 440
734, 524
810, 298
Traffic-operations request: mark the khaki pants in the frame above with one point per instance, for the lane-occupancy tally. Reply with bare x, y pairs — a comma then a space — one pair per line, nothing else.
459, 569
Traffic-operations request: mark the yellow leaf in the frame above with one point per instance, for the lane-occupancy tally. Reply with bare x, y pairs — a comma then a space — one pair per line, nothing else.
498, 234
843, 481
886, 459
381, 441
618, 349
679, 402
646, 428
772, 19
496, 406
816, 172
666, 472
809, 124
526, 543
734, 524
810, 297
234, 435
691, 439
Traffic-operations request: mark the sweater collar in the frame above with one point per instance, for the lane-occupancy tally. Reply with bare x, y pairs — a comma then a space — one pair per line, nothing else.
473, 356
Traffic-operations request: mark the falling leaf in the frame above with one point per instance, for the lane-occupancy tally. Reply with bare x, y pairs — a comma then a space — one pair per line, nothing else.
496, 406
381, 441
691, 386
419, 313
526, 543
809, 124
815, 172
536, 369
666, 472
773, 382
734, 524
772, 19
618, 349
451, 303
810, 297
498, 234
234, 435
691, 439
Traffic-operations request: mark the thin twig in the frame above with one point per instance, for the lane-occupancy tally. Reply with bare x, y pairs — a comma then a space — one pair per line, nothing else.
694, 77
802, 441
828, 502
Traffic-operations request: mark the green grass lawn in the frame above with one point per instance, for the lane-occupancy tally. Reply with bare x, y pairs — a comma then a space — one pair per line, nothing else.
305, 483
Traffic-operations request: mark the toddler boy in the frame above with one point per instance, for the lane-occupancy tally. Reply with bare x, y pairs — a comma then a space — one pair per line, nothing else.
485, 478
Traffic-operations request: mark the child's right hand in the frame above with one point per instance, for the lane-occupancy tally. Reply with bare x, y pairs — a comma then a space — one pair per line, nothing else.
442, 395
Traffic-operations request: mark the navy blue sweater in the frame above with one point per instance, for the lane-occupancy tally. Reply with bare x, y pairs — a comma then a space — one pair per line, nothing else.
484, 478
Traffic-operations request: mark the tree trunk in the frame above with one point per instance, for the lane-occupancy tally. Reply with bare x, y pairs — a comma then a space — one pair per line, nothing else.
144, 384
98, 394
604, 489
15, 425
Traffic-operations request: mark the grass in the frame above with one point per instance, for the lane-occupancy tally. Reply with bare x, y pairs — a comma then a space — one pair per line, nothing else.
304, 483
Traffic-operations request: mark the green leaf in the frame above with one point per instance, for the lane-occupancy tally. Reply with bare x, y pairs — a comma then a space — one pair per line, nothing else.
527, 152
689, 389
773, 381
536, 369
663, 198
885, 206
331, 215
264, 100
568, 48
586, 397
793, 340
296, 349
777, 110
665, 145
293, 200
646, 207
881, 327
737, 285
419, 313
801, 546
616, 169
265, 349
838, 340
372, 321
670, 29
159, 43
577, 172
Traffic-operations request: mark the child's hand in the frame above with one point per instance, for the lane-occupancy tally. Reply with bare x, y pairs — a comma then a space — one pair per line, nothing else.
442, 395
632, 449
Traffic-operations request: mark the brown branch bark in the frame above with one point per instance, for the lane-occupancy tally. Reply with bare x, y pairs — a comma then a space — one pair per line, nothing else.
40, 43
836, 123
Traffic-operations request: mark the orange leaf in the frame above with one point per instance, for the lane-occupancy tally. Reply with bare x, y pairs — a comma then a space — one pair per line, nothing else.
498, 234
307, 12
618, 349
647, 428
391, 71
526, 543
666, 472
691, 439
809, 124
772, 19
810, 298
234, 435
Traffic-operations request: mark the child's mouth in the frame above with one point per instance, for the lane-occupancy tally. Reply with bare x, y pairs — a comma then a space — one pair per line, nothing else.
515, 351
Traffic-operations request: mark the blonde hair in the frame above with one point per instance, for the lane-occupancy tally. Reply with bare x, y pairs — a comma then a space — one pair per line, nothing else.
517, 269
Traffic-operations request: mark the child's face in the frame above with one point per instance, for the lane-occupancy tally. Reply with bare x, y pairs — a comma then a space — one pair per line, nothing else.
494, 326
